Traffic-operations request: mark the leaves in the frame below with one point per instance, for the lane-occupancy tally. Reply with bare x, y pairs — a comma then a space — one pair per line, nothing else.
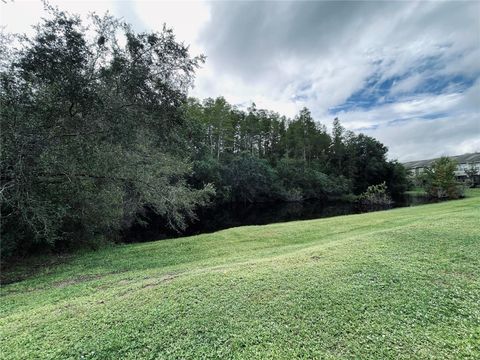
440, 180
89, 130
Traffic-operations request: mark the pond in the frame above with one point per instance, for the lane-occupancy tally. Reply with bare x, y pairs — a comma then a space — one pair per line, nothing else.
232, 215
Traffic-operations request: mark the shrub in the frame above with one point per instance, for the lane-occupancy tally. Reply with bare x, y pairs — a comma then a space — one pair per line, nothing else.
440, 181
376, 195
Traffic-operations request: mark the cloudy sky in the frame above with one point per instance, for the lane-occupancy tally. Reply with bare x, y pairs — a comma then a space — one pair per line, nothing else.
407, 73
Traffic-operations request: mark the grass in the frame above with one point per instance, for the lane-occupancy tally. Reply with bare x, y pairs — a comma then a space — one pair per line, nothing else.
417, 191
398, 284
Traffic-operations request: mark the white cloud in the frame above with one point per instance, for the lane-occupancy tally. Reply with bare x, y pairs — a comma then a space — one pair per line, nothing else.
419, 139
20, 15
456, 130
407, 85
287, 55
319, 54
187, 18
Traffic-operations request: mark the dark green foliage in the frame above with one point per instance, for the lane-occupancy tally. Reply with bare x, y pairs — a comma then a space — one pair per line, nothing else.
250, 179
440, 181
304, 160
396, 178
338, 150
242, 178
369, 161
309, 182
88, 131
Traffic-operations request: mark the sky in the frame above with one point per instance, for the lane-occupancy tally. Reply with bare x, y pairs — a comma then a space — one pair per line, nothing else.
404, 72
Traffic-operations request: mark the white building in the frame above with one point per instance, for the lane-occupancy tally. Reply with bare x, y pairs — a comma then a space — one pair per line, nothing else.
465, 162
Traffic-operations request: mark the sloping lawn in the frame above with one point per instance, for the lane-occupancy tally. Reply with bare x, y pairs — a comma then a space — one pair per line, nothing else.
397, 284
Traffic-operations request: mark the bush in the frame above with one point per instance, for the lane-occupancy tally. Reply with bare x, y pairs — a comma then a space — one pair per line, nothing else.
440, 181
376, 195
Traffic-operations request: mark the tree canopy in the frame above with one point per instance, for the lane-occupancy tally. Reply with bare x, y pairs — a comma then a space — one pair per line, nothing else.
440, 180
306, 161
91, 118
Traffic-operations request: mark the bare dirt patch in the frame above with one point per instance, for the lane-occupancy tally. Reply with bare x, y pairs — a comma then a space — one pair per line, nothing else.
77, 280
161, 280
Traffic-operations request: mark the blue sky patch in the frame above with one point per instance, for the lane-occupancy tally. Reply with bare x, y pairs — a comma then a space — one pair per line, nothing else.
378, 91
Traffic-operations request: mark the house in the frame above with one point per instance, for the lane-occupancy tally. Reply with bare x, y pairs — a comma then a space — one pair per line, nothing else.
464, 162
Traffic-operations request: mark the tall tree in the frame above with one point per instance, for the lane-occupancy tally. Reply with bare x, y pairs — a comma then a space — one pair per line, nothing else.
440, 180
369, 161
91, 117
337, 150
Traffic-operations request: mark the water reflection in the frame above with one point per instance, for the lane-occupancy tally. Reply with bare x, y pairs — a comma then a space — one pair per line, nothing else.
233, 215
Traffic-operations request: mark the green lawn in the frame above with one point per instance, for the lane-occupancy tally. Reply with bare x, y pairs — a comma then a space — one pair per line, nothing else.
397, 284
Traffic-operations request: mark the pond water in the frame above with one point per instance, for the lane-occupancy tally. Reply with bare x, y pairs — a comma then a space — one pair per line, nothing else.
233, 215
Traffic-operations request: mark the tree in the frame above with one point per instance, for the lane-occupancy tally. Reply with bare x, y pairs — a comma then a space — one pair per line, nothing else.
250, 179
218, 121
440, 181
301, 134
337, 149
91, 124
300, 151
369, 162
396, 178
472, 172
306, 182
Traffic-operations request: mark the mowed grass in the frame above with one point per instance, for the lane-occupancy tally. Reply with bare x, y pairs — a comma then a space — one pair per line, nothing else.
397, 284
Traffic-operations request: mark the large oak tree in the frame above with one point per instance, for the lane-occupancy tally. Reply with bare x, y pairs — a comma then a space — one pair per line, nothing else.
91, 130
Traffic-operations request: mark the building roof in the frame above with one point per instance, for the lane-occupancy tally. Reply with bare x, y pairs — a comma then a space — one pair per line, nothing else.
461, 159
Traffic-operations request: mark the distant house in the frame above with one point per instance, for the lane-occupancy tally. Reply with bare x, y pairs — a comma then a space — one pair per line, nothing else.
464, 163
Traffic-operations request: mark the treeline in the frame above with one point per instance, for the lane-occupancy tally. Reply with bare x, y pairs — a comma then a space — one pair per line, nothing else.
96, 128
259, 155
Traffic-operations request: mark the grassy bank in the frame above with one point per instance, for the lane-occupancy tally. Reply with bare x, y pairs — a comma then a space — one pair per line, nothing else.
397, 284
